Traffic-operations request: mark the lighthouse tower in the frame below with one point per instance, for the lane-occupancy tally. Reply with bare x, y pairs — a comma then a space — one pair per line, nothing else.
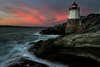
74, 11
73, 24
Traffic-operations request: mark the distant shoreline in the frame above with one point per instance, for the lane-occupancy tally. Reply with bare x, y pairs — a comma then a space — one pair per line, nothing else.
22, 26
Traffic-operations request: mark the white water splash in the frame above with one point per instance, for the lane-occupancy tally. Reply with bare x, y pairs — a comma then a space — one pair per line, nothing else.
21, 50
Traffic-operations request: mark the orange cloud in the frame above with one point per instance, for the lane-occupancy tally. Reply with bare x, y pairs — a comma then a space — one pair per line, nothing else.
60, 17
37, 18
29, 16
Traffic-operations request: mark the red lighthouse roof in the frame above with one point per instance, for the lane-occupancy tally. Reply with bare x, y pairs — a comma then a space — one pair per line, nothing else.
74, 5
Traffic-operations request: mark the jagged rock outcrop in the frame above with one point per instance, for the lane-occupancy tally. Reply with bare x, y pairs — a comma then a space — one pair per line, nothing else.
92, 22
58, 29
77, 50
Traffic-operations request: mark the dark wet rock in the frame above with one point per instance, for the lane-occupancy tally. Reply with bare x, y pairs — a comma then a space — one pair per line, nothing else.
26, 63
76, 50
58, 29
92, 22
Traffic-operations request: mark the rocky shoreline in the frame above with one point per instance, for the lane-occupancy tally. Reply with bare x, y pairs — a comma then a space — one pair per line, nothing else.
75, 50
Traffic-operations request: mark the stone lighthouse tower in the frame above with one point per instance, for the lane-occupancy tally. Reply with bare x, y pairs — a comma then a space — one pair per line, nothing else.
73, 24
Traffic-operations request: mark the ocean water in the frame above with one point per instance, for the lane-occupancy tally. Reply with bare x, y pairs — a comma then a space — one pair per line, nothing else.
14, 44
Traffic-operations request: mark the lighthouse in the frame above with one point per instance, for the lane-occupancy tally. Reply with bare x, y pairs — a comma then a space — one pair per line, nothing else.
74, 11
73, 24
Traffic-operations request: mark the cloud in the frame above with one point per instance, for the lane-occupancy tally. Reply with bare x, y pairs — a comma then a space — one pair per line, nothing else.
34, 16
40, 12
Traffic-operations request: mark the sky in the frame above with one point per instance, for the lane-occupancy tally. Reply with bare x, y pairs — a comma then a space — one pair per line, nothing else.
41, 12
